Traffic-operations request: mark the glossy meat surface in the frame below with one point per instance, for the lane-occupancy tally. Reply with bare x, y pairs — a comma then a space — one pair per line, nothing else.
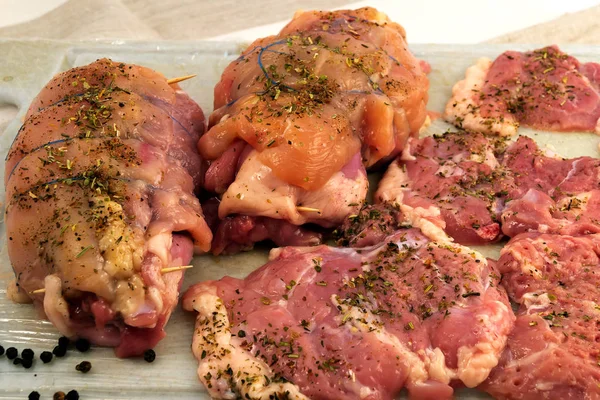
256, 205
334, 323
100, 186
257, 191
328, 85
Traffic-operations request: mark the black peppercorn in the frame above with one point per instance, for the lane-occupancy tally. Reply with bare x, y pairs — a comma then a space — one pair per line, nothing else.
63, 341
72, 395
27, 354
26, 363
84, 367
59, 396
34, 396
59, 351
17, 361
82, 345
1, 350
149, 355
12, 353
46, 357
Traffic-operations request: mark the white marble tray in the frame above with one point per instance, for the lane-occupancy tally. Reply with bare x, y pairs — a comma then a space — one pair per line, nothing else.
25, 67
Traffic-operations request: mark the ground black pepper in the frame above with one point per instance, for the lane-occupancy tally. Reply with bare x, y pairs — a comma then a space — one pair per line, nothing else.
149, 355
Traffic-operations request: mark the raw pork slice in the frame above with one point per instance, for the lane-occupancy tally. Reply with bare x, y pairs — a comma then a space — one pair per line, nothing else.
300, 115
553, 352
452, 181
549, 194
335, 323
100, 184
544, 89
478, 187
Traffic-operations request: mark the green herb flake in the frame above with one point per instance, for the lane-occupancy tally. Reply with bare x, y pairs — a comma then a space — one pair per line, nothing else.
83, 251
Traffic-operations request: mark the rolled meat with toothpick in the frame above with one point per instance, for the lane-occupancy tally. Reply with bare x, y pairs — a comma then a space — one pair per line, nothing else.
298, 118
101, 213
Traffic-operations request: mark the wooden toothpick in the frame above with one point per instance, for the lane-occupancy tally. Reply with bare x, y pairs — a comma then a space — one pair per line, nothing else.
180, 79
173, 269
308, 209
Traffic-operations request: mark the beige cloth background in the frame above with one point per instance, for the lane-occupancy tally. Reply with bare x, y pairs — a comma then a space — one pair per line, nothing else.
143, 19
198, 19
579, 27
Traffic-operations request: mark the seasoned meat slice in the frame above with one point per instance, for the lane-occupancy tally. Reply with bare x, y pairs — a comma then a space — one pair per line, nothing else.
552, 353
478, 188
339, 323
453, 180
544, 89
